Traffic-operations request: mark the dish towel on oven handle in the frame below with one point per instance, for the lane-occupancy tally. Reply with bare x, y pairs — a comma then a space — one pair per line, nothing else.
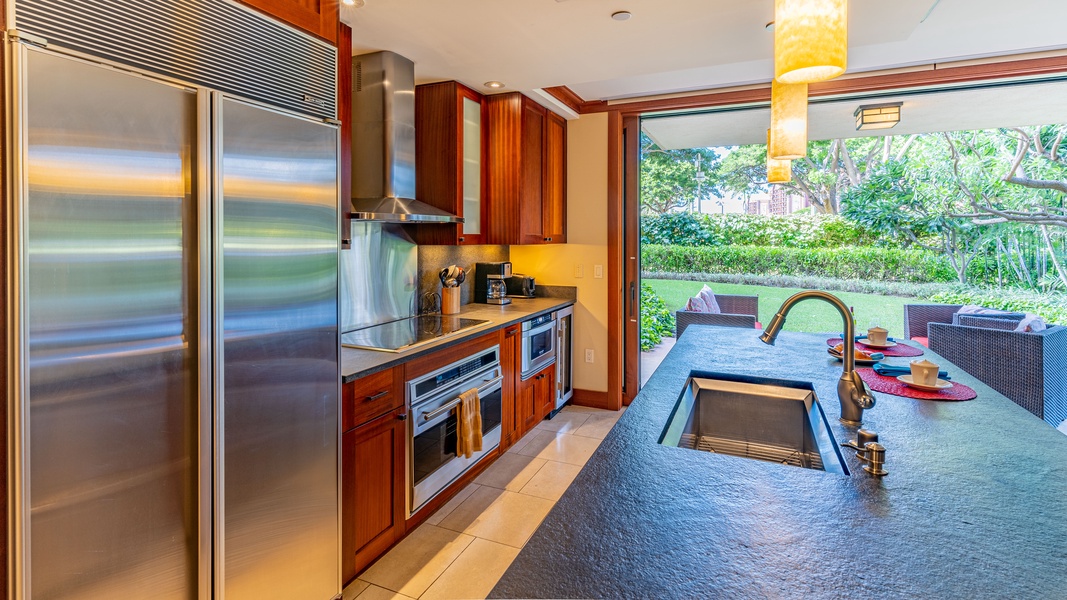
469, 424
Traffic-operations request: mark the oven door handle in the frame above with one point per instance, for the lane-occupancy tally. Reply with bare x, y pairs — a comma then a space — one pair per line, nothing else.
448, 407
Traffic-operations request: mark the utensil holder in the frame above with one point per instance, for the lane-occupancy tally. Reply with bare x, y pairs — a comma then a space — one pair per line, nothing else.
449, 300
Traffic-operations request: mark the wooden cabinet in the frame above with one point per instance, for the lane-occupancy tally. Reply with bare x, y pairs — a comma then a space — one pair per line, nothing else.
317, 17
510, 432
526, 165
374, 489
535, 398
450, 161
373, 462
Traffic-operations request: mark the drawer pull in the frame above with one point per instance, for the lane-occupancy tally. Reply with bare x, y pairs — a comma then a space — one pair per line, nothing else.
376, 396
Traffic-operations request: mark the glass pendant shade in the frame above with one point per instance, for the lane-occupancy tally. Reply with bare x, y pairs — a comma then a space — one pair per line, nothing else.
778, 171
810, 40
789, 121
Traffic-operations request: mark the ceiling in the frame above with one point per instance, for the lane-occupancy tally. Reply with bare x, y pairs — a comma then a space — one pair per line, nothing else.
673, 46
957, 110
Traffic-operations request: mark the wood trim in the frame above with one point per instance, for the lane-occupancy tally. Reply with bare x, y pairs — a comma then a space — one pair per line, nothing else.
592, 399
615, 261
933, 75
631, 208
573, 101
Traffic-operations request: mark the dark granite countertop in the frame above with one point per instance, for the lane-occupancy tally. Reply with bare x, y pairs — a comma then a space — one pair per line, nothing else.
975, 504
356, 363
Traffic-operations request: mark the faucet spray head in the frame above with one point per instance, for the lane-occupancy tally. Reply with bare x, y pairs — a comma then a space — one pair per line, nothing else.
771, 332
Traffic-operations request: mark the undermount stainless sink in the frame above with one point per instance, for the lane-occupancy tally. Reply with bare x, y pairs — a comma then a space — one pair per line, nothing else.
765, 419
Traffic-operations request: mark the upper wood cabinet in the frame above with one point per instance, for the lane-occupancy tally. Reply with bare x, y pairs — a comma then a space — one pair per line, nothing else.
317, 17
526, 185
450, 161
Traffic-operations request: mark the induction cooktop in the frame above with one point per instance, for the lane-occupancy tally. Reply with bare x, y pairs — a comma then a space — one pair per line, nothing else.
405, 334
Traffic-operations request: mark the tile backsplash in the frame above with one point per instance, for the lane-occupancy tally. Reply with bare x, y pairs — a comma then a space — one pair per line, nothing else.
434, 258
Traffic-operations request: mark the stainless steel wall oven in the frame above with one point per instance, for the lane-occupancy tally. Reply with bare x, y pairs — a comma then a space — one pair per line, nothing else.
538, 344
432, 459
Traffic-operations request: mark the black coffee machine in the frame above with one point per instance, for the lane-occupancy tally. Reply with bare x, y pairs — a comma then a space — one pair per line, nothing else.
490, 282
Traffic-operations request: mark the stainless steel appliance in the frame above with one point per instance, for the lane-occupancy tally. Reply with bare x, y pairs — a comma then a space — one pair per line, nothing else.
405, 334
490, 285
521, 286
433, 463
379, 275
564, 355
538, 344
174, 373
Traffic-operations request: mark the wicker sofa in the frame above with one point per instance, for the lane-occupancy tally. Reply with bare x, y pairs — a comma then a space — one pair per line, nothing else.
737, 311
1028, 368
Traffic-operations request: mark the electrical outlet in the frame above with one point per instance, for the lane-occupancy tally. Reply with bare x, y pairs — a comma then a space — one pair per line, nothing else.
579, 271
598, 271
588, 355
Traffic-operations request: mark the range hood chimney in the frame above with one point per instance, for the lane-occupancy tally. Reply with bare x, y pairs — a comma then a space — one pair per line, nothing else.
383, 142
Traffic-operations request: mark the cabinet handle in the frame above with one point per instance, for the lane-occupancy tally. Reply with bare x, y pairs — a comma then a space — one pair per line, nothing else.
402, 417
376, 396
548, 239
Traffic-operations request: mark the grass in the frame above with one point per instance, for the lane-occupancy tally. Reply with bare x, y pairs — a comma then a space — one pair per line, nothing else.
811, 317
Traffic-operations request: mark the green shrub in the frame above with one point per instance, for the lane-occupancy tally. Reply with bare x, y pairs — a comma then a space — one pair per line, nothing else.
657, 321
866, 262
1050, 307
807, 231
685, 229
905, 289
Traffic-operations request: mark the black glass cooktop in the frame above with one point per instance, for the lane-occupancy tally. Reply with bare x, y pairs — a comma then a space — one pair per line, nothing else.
405, 334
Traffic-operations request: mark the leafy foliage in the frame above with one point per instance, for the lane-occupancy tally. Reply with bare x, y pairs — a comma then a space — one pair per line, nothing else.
657, 321
818, 231
865, 262
669, 177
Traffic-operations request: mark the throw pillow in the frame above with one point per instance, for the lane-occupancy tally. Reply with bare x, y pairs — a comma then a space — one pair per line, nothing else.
696, 304
709, 300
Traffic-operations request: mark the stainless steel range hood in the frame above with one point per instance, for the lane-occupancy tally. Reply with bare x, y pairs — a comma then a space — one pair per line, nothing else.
383, 143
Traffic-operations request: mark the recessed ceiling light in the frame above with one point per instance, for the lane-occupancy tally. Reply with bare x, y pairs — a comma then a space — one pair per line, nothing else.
622, 15
355, 3
496, 85
769, 26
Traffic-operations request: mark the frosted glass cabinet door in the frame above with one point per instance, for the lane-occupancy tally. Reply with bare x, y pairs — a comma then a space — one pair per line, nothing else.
472, 167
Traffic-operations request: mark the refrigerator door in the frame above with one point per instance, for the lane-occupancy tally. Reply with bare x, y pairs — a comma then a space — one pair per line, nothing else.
107, 484
279, 373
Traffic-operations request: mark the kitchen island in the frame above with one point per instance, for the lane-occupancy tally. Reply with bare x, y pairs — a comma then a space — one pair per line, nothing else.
975, 503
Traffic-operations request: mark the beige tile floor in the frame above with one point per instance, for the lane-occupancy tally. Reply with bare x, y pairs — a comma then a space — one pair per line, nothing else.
462, 550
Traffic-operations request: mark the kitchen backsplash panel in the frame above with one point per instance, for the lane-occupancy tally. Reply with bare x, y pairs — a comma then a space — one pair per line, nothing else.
434, 258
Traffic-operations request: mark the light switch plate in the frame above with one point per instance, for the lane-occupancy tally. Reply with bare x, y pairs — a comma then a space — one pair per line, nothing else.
598, 271
579, 271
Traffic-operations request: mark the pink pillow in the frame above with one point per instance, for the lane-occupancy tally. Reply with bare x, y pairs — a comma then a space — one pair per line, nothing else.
709, 300
696, 304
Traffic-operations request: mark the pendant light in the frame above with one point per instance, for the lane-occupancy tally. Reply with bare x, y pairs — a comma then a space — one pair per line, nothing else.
810, 40
778, 171
789, 121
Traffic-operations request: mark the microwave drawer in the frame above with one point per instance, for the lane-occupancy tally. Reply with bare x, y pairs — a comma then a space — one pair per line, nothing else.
371, 396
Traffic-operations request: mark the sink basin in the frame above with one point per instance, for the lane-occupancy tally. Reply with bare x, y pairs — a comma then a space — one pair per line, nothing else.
764, 419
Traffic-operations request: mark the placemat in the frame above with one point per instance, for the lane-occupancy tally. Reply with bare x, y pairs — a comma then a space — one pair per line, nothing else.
900, 349
892, 385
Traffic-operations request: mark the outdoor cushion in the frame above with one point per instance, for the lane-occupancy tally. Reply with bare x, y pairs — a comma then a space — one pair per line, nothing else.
709, 300
922, 340
696, 304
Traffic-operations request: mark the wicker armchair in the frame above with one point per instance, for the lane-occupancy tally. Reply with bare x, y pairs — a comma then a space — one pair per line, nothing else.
918, 316
737, 311
1028, 368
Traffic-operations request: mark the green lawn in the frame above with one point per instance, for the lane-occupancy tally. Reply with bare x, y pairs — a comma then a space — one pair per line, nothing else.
809, 316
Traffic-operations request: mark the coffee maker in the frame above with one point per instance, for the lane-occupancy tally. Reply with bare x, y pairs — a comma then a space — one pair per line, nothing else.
490, 282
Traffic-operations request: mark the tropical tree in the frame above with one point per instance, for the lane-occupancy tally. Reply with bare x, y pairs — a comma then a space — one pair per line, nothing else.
669, 179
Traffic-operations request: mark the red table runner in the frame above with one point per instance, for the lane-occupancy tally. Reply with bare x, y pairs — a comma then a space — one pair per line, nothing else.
900, 349
892, 385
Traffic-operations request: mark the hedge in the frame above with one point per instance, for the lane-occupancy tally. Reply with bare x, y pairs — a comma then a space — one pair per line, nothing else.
863, 262
813, 231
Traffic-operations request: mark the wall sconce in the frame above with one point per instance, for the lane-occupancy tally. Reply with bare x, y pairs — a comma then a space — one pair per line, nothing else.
878, 116
778, 171
810, 40
789, 121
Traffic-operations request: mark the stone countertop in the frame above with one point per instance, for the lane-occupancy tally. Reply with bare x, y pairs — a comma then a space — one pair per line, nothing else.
975, 503
356, 363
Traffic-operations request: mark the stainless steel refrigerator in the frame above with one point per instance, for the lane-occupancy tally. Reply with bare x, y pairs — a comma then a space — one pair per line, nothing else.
175, 374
